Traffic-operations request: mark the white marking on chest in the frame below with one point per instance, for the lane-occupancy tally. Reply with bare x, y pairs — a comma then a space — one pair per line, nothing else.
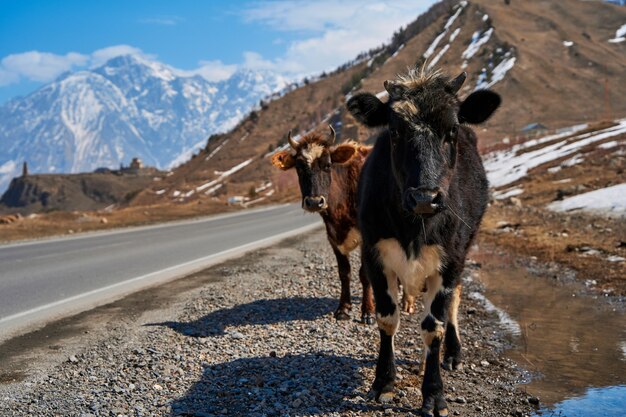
412, 272
351, 242
312, 152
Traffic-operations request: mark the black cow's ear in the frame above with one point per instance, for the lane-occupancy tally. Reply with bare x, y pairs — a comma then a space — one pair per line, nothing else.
479, 106
368, 109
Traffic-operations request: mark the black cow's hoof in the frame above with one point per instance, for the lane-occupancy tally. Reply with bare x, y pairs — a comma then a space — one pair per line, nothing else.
342, 315
368, 319
431, 413
451, 363
434, 406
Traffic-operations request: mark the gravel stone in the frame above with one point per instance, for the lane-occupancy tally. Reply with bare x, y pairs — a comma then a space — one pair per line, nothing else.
256, 336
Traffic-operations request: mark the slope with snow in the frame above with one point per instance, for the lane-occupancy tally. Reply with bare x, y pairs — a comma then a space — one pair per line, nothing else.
506, 167
129, 107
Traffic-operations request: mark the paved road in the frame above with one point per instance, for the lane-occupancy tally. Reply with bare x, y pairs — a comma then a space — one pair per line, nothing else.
41, 280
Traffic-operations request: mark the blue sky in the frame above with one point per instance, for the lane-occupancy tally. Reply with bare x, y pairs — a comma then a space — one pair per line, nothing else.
39, 40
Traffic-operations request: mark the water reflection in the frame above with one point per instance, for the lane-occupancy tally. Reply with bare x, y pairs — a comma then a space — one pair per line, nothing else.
572, 344
605, 402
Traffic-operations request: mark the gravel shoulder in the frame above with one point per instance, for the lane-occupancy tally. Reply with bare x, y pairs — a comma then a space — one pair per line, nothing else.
252, 336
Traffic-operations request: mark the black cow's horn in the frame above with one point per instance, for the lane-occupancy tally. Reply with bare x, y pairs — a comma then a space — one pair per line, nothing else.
292, 142
456, 84
331, 138
395, 89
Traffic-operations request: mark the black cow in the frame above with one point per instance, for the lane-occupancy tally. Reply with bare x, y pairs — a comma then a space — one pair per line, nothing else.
421, 198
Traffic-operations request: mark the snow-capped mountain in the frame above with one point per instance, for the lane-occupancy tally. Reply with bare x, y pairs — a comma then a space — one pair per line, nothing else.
128, 107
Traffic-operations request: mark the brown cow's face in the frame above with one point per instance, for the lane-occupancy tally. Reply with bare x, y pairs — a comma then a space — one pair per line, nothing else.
313, 160
423, 115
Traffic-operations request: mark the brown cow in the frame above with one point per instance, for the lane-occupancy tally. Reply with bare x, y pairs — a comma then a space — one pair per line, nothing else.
328, 176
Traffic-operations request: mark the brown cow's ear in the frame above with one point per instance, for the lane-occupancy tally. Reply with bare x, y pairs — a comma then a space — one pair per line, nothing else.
283, 160
342, 154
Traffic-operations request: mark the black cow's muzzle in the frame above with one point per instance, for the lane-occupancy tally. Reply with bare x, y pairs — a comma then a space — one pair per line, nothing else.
423, 201
314, 204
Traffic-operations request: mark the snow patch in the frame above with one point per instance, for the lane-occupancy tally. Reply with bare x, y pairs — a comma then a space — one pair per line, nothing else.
505, 167
478, 40
8, 167
502, 195
433, 45
216, 150
620, 35
609, 145
448, 25
454, 34
610, 201
213, 189
223, 175
575, 160
497, 74
438, 56
564, 181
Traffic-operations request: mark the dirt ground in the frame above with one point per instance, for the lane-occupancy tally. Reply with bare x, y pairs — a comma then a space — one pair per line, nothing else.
592, 245
253, 336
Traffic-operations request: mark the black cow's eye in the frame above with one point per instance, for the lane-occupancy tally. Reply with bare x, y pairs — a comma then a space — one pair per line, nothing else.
454, 131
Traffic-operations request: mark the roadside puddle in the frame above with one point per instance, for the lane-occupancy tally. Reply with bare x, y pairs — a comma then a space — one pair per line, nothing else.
573, 345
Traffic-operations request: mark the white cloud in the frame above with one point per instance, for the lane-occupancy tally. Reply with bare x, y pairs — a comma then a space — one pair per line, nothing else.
341, 30
45, 66
293, 15
101, 56
254, 60
330, 33
38, 66
210, 70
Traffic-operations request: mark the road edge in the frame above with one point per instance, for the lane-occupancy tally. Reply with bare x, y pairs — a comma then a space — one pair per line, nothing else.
33, 319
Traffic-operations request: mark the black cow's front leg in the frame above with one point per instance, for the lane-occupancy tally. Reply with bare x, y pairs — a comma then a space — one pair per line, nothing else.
452, 359
385, 287
367, 305
345, 303
436, 302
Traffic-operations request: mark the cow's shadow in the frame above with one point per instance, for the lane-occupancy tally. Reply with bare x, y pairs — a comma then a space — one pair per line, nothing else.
306, 384
260, 312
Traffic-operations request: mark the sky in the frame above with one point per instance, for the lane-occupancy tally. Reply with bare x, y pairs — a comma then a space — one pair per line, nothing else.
40, 40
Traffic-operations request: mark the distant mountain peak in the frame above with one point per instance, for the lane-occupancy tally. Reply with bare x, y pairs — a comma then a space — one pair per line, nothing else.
130, 106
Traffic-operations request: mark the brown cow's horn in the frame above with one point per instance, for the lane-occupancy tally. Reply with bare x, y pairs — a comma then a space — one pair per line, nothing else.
331, 138
292, 142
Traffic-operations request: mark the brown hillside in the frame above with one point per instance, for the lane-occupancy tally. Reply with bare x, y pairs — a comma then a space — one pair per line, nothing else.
549, 83
68, 192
